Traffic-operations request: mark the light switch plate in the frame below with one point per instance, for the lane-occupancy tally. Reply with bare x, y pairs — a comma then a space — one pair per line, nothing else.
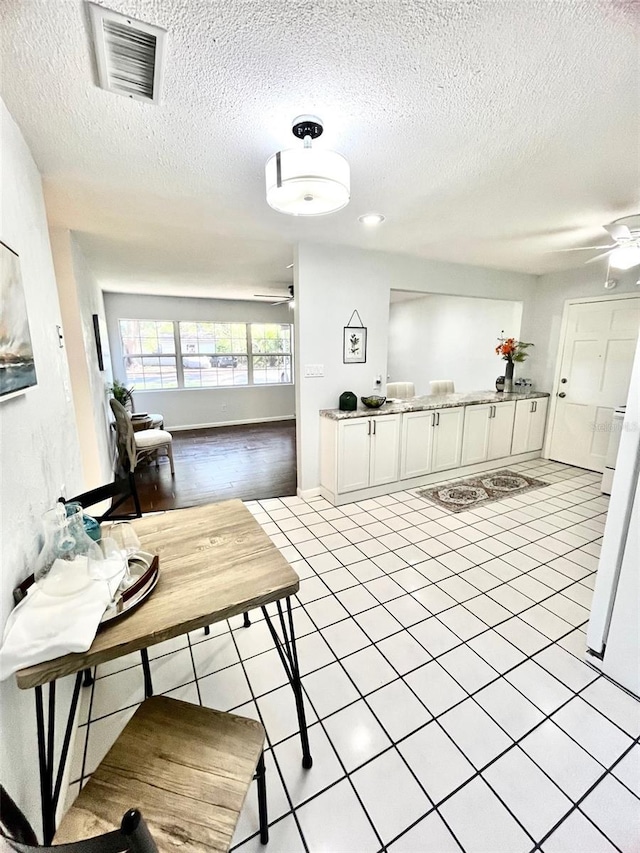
312, 371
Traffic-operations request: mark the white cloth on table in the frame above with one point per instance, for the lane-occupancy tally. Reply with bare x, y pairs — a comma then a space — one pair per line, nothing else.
43, 627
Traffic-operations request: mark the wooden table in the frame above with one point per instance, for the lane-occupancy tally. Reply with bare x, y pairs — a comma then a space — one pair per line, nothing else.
215, 562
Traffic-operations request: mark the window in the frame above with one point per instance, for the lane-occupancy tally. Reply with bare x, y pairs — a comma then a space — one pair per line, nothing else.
148, 349
211, 355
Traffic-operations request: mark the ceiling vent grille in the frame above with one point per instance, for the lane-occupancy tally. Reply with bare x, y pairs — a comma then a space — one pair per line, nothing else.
129, 54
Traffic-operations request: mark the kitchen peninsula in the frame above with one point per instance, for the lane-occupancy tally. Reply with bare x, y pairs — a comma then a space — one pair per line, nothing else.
411, 443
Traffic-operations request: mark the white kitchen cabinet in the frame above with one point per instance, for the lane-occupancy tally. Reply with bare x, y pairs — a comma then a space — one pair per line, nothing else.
417, 441
475, 439
529, 425
501, 430
367, 450
488, 430
447, 439
431, 441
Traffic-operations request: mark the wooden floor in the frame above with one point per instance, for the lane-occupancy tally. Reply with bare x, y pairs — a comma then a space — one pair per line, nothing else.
248, 462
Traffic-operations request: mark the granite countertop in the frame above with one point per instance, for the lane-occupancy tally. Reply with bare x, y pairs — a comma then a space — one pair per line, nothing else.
422, 404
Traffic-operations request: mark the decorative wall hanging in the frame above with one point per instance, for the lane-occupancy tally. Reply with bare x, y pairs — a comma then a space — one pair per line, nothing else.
17, 366
354, 342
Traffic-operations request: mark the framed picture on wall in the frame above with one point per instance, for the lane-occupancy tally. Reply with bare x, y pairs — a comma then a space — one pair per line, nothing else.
354, 345
17, 365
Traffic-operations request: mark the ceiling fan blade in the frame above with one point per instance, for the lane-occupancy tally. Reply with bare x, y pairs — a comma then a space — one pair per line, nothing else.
619, 232
584, 248
597, 257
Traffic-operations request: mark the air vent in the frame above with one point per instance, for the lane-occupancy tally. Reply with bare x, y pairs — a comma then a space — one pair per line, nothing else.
129, 54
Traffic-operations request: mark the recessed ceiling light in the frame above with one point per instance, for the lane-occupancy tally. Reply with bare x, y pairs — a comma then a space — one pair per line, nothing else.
371, 219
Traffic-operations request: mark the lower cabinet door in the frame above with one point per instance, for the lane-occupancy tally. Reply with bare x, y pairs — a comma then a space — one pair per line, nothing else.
501, 429
475, 439
385, 450
447, 439
538, 423
353, 454
522, 427
417, 436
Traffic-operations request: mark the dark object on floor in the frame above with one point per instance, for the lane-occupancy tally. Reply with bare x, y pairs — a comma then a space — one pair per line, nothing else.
481, 489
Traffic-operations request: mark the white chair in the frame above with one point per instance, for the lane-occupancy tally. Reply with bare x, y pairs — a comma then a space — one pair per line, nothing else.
442, 386
401, 390
141, 444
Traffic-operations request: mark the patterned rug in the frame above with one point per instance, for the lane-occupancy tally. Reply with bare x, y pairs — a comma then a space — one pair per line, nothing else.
475, 491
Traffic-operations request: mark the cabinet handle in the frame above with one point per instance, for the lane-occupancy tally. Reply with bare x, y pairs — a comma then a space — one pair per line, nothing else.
531, 409
492, 412
369, 428
374, 427
433, 419
535, 405
437, 418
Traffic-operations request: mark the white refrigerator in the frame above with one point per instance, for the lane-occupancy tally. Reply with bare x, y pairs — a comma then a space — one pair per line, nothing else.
613, 635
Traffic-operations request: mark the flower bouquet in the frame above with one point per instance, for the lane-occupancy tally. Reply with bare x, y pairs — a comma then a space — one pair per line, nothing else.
511, 350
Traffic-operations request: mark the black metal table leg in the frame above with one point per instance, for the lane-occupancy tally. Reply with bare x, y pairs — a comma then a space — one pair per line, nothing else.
50, 781
286, 648
146, 670
262, 800
246, 622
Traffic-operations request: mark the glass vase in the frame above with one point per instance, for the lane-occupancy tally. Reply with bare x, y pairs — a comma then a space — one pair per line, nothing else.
62, 566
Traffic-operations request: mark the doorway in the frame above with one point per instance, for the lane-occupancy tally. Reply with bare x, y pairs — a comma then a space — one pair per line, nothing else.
597, 346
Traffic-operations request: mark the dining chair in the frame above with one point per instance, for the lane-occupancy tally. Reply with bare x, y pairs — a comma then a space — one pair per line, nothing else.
16, 831
134, 446
118, 492
401, 390
187, 768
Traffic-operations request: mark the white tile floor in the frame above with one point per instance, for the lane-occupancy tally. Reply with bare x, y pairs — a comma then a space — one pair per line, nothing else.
448, 703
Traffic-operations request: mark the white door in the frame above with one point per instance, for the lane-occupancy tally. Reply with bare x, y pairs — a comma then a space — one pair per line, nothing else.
596, 361
475, 440
353, 454
385, 450
501, 429
417, 433
447, 439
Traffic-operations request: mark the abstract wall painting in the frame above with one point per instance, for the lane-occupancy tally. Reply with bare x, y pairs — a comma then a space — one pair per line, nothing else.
17, 366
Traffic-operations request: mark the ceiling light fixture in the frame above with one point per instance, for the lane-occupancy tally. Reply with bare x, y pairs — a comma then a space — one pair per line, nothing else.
625, 257
371, 219
307, 181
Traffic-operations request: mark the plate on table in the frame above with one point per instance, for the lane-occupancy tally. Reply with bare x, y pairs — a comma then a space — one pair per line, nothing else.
144, 571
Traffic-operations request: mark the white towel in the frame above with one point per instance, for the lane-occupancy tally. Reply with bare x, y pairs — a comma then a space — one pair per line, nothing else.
43, 627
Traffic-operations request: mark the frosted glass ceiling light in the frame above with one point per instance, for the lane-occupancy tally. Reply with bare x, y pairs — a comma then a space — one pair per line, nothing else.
307, 181
625, 257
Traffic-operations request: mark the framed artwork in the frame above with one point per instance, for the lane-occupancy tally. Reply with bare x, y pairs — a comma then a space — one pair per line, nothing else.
17, 365
354, 345
96, 332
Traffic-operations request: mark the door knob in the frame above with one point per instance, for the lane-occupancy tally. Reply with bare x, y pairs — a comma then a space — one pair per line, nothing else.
562, 394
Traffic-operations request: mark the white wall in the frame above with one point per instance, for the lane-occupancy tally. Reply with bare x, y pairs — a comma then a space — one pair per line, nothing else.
39, 444
81, 298
450, 337
330, 282
186, 407
541, 320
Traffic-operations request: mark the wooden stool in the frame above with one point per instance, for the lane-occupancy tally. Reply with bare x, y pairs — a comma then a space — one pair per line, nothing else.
187, 769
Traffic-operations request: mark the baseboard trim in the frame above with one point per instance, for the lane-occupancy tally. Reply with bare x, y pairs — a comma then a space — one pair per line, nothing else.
180, 427
308, 494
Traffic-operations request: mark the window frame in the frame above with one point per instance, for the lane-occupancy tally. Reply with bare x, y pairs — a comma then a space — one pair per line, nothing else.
179, 354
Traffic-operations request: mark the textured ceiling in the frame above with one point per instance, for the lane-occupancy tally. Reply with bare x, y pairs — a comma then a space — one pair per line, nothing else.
487, 132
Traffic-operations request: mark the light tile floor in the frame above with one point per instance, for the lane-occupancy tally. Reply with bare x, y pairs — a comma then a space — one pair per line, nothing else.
448, 702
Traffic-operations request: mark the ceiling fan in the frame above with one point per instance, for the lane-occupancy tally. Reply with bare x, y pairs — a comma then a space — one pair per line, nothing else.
280, 300
624, 252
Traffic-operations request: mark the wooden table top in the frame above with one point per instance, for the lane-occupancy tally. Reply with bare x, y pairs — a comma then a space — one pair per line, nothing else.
215, 562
